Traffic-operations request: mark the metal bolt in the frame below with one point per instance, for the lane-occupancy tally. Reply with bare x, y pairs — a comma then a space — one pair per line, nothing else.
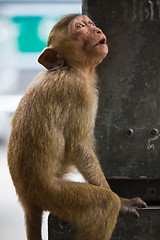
154, 132
130, 132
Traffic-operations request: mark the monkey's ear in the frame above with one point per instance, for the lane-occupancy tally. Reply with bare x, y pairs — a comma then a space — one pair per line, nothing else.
51, 59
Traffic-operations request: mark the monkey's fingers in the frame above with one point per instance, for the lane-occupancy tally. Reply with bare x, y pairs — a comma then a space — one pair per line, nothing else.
138, 202
134, 212
129, 210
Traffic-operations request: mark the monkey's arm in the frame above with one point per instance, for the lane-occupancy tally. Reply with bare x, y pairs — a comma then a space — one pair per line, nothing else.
87, 163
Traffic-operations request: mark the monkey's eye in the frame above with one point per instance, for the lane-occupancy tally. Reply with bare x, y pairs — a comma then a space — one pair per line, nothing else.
80, 25
91, 24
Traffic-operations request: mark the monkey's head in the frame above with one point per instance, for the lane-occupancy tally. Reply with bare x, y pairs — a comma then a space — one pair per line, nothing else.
74, 41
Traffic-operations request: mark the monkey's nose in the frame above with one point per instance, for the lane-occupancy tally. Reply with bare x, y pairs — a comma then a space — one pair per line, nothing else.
97, 30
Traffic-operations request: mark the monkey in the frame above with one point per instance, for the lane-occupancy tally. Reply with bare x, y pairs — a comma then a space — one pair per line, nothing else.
52, 132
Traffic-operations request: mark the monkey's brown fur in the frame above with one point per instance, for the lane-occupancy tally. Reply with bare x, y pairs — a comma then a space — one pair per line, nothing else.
52, 129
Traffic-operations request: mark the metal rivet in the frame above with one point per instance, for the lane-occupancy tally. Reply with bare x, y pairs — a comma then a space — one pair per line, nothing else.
154, 132
130, 132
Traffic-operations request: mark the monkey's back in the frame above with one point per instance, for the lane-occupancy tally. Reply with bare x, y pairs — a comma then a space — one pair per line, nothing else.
55, 112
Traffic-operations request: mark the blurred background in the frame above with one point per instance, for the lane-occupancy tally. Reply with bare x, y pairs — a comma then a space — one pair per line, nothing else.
24, 29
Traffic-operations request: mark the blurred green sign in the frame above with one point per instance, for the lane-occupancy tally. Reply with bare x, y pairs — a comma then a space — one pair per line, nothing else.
28, 39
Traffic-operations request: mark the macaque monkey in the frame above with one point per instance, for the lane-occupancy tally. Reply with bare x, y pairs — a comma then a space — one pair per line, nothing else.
53, 132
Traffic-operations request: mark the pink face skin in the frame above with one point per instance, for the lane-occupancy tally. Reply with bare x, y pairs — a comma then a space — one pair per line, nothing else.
89, 38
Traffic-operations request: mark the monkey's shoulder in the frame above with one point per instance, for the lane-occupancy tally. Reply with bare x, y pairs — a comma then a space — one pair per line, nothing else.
50, 89
63, 81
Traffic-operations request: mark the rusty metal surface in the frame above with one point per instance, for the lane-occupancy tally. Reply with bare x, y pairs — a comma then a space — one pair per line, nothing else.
147, 227
147, 189
128, 121
59, 230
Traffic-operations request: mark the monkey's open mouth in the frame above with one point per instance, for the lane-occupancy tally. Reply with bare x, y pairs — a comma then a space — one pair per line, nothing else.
102, 41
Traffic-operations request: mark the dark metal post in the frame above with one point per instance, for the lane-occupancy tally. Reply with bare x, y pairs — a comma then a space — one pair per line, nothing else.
128, 121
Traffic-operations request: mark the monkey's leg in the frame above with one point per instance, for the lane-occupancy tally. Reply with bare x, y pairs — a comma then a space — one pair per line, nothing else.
91, 210
33, 219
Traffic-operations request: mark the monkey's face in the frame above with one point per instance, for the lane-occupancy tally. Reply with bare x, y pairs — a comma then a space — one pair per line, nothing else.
76, 42
88, 38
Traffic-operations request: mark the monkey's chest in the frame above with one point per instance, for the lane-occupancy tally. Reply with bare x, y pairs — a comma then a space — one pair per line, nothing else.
92, 104
73, 175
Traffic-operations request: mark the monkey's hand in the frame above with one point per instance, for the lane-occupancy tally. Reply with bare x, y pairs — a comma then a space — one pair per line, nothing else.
129, 205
